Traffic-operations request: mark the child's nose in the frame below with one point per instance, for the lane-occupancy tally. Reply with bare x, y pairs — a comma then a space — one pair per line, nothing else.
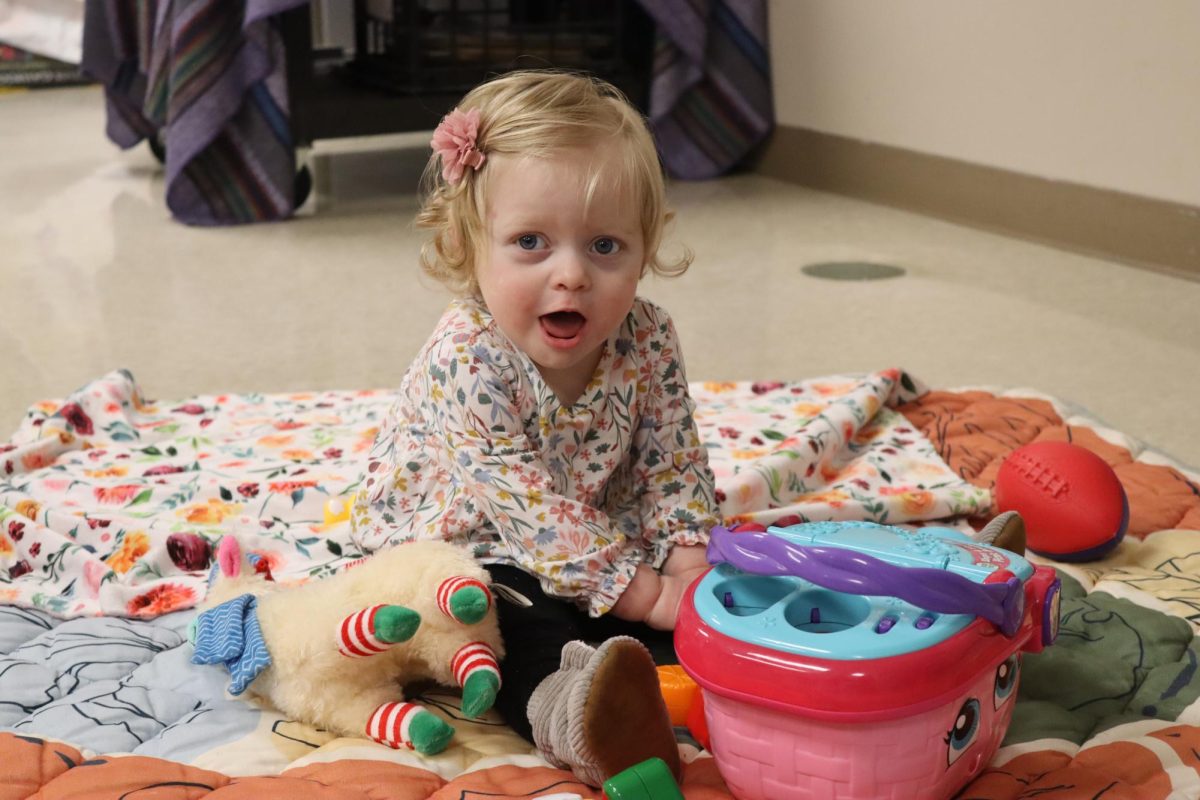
571, 272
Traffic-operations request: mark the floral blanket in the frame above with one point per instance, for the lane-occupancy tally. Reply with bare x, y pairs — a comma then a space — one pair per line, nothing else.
110, 503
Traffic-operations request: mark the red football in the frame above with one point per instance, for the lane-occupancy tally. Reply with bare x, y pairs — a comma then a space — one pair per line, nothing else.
1072, 503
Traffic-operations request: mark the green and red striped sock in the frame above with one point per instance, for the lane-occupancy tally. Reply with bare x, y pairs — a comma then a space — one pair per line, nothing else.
464, 599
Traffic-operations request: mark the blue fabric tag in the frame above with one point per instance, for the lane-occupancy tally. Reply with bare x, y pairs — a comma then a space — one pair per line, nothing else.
229, 634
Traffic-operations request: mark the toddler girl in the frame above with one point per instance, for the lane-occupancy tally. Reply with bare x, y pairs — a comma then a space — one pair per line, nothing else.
546, 424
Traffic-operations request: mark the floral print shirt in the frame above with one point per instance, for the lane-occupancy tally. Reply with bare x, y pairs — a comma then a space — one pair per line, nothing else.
479, 451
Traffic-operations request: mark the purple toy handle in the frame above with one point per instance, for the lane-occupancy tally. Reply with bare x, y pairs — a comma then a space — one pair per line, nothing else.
841, 570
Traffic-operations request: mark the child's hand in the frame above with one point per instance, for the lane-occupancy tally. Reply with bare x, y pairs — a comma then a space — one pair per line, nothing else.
686, 558
684, 564
653, 598
639, 596
666, 610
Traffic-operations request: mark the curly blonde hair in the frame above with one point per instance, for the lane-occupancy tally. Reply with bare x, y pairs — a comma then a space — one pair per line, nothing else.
538, 113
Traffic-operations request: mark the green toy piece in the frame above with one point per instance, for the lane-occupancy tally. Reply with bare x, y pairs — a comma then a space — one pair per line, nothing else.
429, 734
649, 780
469, 605
396, 624
479, 692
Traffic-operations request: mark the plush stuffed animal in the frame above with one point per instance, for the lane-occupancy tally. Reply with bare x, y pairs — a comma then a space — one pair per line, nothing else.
336, 652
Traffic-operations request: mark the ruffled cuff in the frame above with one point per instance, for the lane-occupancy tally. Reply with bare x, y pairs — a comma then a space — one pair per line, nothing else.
687, 537
611, 584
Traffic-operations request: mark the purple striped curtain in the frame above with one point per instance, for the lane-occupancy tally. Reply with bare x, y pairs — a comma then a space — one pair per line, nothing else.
208, 77
710, 95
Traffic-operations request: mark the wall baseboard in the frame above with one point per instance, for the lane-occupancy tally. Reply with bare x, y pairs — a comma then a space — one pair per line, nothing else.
1141, 231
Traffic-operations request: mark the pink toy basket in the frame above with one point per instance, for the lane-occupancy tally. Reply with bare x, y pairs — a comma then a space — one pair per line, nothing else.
829, 673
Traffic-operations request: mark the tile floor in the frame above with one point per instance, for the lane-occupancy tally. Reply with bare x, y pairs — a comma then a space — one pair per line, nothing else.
95, 275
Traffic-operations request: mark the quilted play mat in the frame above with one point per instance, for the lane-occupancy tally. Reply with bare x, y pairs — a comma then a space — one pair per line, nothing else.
110, 504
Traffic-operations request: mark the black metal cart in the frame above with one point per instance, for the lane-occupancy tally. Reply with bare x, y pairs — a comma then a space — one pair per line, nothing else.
413, 62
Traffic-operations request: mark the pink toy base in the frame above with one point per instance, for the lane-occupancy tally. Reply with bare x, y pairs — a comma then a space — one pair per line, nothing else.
768, 755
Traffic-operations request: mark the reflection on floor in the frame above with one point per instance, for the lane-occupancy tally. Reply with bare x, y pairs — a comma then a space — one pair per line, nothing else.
95, 275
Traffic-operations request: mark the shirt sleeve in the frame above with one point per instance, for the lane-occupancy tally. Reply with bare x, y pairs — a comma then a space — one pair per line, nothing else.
574, 549
678, 505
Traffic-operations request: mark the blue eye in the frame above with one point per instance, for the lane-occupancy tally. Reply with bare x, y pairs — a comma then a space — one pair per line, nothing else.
528, 241
962, 735
1006, 679
606, 246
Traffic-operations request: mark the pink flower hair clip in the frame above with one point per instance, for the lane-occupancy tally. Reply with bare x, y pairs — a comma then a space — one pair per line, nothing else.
454, 141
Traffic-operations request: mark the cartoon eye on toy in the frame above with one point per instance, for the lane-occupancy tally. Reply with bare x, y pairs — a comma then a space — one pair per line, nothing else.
962, 735
1006, 680
1053, 608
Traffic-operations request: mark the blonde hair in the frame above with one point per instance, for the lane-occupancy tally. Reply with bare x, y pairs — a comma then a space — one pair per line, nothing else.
538, 113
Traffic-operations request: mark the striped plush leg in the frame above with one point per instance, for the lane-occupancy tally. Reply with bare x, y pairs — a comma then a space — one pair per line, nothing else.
478, 673
375, 629
409, 725
464, 599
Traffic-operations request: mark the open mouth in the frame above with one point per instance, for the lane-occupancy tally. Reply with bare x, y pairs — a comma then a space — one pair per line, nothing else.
564, 325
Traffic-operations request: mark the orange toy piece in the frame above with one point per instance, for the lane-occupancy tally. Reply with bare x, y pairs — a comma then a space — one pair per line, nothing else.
685, 701
697, 722
679, 690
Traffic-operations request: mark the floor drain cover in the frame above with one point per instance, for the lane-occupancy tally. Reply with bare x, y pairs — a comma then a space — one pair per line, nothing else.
852, 271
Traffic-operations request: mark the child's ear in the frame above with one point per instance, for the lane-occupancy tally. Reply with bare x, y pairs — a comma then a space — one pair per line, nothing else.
229, 556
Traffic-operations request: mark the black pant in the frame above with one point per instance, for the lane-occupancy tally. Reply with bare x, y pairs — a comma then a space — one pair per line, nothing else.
534, 639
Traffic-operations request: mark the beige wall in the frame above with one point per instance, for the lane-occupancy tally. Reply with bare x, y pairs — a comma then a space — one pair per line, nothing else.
1104, 93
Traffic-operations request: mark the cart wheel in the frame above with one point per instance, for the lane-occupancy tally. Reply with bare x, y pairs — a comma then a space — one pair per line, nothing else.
302, 186
157, 147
